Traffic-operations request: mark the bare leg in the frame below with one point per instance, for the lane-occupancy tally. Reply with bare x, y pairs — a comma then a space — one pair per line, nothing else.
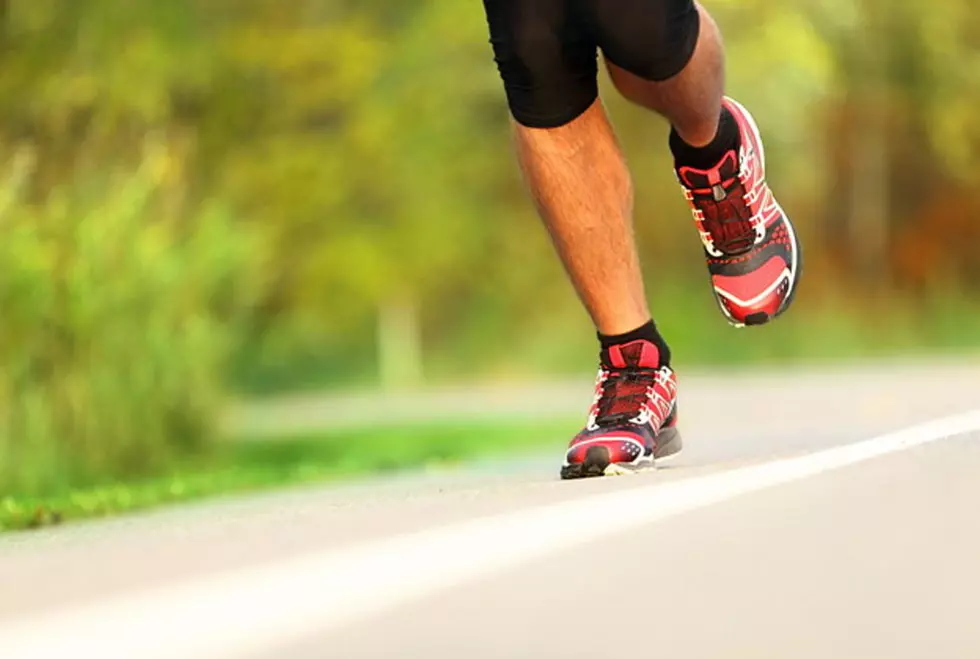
582, 188
691, 100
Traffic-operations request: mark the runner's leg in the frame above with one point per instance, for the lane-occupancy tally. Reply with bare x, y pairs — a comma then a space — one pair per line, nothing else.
568, 153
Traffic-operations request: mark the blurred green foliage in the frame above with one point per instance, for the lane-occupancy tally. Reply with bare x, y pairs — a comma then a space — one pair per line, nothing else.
119, 311
236, 191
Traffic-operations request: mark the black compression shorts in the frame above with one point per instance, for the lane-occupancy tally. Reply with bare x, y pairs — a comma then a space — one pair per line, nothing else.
546, 50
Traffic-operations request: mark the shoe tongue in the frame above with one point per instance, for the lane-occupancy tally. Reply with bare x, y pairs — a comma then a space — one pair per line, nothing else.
635, 354
706, 179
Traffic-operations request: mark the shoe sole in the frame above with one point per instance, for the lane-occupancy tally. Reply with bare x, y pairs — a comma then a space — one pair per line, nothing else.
597, 464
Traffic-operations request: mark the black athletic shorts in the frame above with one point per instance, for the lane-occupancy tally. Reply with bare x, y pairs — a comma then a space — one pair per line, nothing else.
546, 50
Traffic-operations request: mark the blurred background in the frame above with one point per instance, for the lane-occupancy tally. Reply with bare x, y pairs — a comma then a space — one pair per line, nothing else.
205, 205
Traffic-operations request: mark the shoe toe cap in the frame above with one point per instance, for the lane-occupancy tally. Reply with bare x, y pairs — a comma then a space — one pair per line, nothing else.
620, 447
754, 297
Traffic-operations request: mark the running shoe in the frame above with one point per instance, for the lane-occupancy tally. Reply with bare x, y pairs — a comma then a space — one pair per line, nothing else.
633, 420
750, 245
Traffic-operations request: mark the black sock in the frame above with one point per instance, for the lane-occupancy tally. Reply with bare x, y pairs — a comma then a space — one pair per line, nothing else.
647, 332
709, 155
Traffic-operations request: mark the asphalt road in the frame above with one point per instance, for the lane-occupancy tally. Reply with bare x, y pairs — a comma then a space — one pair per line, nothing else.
834, 524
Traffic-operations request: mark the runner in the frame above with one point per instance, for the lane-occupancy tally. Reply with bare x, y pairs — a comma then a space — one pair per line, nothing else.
667, 56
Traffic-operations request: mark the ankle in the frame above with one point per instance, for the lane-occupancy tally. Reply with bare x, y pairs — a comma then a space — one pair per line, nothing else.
696, 135
706, 154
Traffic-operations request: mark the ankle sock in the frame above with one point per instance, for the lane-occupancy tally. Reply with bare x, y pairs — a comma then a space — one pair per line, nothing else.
647, 332
709, 155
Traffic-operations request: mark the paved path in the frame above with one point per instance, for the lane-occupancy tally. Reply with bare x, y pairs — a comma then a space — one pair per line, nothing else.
838, 525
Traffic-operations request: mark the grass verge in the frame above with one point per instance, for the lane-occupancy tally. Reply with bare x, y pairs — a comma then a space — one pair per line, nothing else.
251, 466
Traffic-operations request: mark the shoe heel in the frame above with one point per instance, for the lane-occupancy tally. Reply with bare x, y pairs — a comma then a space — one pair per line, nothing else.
669, 442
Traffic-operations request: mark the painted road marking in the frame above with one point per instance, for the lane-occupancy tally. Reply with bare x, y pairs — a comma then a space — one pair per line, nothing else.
245, 612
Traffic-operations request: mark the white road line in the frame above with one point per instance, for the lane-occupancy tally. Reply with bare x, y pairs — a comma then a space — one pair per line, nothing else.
245, 612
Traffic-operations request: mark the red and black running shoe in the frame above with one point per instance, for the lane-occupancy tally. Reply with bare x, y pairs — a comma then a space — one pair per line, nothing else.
633, 420
751, 248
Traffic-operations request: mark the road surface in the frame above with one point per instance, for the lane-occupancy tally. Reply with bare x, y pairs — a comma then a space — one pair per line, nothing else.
842, 524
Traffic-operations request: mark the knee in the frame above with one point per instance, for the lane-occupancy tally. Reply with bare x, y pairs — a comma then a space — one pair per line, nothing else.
655, 45
547, 83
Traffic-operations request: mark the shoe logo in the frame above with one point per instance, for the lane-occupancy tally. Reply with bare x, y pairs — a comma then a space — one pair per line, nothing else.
747, 171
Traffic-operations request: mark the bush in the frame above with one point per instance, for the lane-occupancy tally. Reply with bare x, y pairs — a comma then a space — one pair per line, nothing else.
120, 304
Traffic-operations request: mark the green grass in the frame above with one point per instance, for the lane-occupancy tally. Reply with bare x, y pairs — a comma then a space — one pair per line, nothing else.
252, 466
